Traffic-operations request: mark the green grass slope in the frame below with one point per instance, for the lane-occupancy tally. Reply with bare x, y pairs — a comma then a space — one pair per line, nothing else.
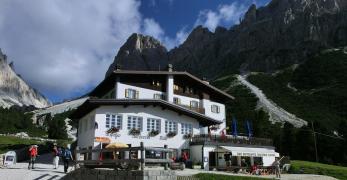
306, 167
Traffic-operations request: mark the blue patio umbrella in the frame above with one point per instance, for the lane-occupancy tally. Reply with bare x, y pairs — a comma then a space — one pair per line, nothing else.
234, 127
249, 128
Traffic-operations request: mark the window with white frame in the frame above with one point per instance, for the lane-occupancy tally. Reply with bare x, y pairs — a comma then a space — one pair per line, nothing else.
177, 100
153, 124
186, 128
215, 109
131, 94
114, 120
170, 126
194, 104
135, 122
158, 96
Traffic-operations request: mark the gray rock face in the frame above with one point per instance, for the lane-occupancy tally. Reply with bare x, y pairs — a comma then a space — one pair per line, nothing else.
283, 33
15, 91
140, 53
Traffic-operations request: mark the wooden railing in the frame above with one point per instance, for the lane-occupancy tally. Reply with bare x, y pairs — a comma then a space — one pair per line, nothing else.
123, 163
196, 109
231, 139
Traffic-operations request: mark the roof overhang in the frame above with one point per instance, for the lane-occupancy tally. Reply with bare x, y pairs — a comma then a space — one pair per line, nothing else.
92, 104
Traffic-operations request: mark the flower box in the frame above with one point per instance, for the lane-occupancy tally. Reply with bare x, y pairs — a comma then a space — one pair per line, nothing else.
112, 130
171, 134
134, 132
153, 133
187, 136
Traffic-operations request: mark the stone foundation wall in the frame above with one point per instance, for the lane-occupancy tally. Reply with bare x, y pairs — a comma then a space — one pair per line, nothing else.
105, 174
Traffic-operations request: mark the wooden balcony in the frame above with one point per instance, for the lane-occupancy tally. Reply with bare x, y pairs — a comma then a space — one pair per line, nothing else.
228, 139
196, 109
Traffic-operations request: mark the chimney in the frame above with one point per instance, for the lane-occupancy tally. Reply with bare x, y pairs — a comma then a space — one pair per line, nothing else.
118, 66
169, 67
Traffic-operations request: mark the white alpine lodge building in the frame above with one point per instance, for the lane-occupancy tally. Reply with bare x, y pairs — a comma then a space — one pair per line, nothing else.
166, 108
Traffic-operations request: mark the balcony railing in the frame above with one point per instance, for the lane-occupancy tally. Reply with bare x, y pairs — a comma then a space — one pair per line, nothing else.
228, 139
196, 109
123, 162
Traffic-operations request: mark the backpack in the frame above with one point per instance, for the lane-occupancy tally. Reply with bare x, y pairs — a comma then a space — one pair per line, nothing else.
67, 154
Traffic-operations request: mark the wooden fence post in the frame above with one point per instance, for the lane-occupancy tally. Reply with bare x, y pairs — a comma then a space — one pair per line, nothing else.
166, 157
142, 156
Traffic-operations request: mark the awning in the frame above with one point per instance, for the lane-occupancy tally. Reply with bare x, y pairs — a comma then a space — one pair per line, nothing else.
251, 152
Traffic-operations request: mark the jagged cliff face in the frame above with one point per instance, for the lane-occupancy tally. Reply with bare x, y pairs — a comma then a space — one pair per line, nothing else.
140, 53
15, 91
283, 33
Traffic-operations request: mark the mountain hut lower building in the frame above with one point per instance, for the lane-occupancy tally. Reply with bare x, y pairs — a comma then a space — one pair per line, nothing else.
165, 108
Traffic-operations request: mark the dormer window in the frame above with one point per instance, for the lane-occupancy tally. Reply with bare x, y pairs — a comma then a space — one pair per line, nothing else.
131, 94
215, 109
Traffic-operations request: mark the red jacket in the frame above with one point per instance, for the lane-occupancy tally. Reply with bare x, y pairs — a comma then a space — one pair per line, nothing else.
33, 151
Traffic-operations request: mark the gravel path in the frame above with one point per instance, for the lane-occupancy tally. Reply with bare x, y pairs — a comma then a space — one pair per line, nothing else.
43, 170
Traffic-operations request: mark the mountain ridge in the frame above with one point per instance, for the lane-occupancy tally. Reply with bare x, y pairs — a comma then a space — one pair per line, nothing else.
14, 91
278, 35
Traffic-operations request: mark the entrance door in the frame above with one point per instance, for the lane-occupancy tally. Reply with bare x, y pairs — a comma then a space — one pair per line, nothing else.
212, 160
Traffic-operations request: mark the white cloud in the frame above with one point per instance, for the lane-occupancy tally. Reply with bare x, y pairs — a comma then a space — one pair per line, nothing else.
227, 14
62, 46
152, 28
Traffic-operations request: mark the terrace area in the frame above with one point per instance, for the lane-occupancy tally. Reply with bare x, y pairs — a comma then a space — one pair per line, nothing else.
206, 139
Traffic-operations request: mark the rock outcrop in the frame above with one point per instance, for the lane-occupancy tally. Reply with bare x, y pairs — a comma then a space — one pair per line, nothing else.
15, 91
140, 53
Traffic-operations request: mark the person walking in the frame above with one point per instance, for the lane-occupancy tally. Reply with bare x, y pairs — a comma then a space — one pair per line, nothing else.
276, 164
32, 155
56, 155
67, 156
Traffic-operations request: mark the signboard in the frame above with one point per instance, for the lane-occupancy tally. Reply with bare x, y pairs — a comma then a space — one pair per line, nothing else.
102, 139
254, 154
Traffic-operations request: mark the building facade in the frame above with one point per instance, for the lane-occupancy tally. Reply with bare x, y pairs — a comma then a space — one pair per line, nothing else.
157, 108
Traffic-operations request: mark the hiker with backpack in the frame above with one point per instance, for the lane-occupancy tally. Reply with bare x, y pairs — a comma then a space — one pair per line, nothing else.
67, 156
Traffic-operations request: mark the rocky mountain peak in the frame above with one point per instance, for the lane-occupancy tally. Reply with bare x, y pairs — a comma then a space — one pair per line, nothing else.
15, 91
139, 42
251, 15
140, 52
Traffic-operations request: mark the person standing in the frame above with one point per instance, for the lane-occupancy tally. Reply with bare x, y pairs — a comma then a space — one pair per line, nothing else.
32, 155
276, 164
55, 156
67, 156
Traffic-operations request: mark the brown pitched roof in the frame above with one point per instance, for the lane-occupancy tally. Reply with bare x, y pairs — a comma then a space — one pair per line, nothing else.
105, 85
92, 104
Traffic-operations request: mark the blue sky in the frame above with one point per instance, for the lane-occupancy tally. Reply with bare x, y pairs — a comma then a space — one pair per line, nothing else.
63, 48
